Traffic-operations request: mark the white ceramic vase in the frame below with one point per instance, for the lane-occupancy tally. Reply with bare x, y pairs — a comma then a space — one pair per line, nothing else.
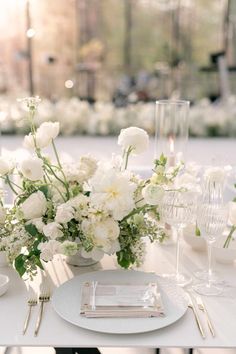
80, 261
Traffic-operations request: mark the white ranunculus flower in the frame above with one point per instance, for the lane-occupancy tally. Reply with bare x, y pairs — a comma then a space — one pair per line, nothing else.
2, 215
34, 206
49, 130
6, 166
103, 232
216, 174
53, 230
69, 248
28, 141
133, 137
232, 213
153, 194
49, 249
32, 168
65, 212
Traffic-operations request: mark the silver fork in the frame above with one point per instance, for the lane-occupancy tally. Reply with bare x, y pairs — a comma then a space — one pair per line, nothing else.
43, 297
31, 302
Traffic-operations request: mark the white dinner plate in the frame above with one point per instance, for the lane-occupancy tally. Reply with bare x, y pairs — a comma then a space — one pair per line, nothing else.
66, 302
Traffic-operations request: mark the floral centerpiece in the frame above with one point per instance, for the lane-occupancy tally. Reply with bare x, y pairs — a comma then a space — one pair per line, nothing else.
91, 206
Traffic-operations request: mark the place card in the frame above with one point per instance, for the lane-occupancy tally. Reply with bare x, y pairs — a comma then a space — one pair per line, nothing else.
121, 300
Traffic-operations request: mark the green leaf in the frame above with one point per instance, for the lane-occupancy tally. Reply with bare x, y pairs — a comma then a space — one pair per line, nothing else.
31, 229
20, 264
44, 190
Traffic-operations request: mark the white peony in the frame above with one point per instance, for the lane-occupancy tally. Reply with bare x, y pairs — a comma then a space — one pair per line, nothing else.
232, 213
6, 166
53, 230
135, 138
112, 192
153, 194
34, 206
32, 168
65, 212
2, 215
102, 232
49, 250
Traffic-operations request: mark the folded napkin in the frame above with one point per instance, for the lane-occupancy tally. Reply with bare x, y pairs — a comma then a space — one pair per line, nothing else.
123, 300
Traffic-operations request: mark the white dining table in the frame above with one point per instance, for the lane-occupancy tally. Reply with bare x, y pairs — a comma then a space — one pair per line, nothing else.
57, 332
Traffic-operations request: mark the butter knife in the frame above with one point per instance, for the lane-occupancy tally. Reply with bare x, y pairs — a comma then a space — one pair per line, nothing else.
202, 307
197, 318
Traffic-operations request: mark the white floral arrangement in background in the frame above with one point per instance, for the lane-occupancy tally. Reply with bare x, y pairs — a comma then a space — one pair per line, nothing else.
103, 118
93, 206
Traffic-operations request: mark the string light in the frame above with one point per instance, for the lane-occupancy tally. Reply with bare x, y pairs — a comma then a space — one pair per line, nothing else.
69, 84
30, 33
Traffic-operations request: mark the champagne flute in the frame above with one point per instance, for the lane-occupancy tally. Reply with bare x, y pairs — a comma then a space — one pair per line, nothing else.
212, 219
178, 208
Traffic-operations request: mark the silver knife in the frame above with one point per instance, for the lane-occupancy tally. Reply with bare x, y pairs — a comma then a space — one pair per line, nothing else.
197, 318
202, 307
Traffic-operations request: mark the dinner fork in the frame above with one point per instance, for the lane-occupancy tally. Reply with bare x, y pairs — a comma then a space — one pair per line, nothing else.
43, 297
31, 302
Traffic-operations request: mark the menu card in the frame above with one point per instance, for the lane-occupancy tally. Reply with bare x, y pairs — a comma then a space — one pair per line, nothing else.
121, 300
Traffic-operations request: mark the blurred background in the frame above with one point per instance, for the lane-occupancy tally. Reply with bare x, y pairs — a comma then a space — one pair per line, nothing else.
99, 65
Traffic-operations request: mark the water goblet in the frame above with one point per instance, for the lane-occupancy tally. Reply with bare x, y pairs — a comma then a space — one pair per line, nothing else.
212, 219
178, 208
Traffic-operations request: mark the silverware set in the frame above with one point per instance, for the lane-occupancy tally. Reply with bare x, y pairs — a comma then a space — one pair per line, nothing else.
195, 303
33, 301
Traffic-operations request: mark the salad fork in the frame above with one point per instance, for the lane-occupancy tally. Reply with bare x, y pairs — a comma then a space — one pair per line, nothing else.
31, 302
43, 297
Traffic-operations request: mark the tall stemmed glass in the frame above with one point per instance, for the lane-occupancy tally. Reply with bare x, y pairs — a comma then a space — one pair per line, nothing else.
212, 217
178, 208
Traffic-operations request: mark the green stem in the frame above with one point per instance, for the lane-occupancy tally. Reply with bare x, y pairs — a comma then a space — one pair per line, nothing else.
137, 210
10, 185
229, 237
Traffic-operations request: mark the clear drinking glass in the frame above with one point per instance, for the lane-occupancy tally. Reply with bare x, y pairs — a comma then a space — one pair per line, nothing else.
171, 131
211, 219
178, 208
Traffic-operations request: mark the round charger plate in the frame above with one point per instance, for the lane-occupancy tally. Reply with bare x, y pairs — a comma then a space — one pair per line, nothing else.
66, 302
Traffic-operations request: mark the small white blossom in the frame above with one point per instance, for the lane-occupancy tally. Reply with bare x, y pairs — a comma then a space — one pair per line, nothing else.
49, 249
69, 248
53, 230
6, 166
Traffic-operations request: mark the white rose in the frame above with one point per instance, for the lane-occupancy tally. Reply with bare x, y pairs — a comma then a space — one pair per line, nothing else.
6, 166
232, 213
53, 230
135, 138
69, 248
32, 168
153, 194
2, 215
65, 212
34, 206
49, 249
